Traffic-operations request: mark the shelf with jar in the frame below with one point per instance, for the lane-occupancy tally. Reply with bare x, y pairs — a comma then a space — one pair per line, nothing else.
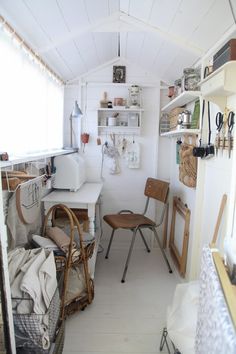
186, 90
119, 120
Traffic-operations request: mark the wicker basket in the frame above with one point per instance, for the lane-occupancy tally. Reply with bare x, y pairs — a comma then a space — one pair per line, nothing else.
72, 260
174, 115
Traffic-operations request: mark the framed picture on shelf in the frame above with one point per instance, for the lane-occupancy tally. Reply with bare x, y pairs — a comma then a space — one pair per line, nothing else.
119, 74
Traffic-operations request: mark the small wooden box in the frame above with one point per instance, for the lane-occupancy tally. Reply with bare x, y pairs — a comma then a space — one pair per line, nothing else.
225, 54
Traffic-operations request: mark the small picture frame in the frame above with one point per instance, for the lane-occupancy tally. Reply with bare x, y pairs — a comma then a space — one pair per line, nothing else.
119, 73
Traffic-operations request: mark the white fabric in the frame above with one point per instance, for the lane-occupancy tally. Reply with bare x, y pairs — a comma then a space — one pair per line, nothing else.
182, 316
45, 242
30, 283
48, 279
215, 331
17, 231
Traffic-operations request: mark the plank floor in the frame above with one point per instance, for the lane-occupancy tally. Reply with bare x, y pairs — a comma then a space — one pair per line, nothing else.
124, 318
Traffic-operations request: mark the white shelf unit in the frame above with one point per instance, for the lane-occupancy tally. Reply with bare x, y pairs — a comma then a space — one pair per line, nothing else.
180, 132
220, 84
181, 100
129, 120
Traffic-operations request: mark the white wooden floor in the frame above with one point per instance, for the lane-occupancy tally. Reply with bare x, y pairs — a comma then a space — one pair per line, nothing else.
124, 318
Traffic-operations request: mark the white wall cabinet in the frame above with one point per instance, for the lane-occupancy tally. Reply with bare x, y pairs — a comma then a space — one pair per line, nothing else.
119, 120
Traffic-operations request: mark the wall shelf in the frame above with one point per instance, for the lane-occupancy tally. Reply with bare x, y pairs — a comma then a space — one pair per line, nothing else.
220, 84
180, 132
181, 100
121, 109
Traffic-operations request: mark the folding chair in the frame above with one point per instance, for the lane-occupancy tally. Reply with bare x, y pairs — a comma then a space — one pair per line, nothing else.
126, 219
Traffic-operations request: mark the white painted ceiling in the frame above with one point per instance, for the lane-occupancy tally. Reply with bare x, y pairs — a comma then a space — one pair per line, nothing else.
161, 36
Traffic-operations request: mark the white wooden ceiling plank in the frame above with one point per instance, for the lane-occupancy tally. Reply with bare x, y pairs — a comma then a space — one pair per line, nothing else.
24, 24
85, 43
48, 17
104, 45
163, 13
182, 60
71, 56
74, 13
114, 6
124, 6
87, 50
164, 58
123, 44
54, 60
214, 24
134, 45
151, 45
96, 9
188, 16
140, 9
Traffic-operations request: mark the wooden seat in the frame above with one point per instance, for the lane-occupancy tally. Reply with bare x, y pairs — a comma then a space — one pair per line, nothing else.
127, 219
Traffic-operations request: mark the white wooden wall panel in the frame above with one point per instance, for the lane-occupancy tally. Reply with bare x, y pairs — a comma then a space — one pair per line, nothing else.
163, 13
25, 24
48, 17
219, 14
74, 13
141, 9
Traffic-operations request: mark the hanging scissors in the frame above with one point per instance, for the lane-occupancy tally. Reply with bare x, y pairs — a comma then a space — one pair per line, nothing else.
219, 125
230, 122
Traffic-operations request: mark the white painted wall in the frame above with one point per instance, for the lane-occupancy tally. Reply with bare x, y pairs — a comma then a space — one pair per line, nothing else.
124, 190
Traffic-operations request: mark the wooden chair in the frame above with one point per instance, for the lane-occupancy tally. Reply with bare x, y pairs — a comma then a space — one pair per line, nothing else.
126, 219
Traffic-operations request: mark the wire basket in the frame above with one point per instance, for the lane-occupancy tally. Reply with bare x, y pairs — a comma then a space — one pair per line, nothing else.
34, 333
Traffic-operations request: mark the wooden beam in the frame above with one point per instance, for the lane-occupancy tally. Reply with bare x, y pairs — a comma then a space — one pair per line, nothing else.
145, 27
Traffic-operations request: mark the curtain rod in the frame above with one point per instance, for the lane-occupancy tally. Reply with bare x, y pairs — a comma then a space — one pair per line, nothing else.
27, 47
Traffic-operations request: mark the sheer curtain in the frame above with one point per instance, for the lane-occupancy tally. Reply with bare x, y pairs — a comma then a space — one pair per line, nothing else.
31, 103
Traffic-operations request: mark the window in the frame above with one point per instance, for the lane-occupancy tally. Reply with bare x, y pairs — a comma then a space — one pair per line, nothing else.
31, 103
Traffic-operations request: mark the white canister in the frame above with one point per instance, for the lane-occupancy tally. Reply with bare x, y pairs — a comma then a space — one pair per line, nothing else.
112, 121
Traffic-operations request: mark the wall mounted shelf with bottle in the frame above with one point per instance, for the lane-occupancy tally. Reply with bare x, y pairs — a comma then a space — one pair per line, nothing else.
220, 84
119, 120
181, 100
180, 132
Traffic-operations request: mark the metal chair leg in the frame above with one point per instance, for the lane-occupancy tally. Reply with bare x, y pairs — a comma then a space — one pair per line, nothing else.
144, 241
110, 242
162, 251
129, 255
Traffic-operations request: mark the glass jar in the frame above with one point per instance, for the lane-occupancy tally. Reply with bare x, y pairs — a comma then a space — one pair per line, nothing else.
178, 87
191, 79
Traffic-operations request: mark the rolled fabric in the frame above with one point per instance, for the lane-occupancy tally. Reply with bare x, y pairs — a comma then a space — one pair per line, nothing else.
59, 237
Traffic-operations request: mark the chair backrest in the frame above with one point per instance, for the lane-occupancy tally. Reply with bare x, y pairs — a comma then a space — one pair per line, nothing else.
157, 189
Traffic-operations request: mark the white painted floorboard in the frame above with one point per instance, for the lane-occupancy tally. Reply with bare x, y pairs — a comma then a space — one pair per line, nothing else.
124, 318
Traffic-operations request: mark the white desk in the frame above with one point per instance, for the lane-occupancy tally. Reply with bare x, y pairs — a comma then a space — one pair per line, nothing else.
85, 198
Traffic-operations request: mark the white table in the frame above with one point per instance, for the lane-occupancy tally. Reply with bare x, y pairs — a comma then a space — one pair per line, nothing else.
85, 198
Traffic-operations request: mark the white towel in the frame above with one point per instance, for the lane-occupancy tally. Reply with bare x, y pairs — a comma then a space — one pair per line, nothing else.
31, 283
48, 279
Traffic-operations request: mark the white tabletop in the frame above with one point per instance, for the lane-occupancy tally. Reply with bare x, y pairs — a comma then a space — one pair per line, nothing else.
87, 194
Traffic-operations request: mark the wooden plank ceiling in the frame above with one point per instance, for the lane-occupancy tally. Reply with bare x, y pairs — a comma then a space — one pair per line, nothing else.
161, 36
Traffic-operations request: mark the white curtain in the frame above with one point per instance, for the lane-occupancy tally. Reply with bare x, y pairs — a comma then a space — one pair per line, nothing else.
31, 103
